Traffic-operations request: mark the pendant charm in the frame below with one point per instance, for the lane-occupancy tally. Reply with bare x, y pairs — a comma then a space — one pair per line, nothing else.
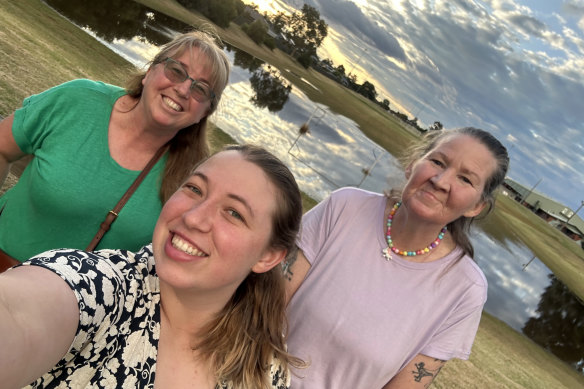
386, 253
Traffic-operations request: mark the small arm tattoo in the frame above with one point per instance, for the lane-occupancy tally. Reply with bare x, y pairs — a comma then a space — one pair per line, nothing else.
422, 371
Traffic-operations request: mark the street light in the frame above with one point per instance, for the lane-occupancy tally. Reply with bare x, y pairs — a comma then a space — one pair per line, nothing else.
305, 129
357, 62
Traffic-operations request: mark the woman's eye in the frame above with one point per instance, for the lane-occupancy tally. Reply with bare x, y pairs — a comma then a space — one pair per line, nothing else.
178, 72
193, 188
436, 162
200, 88
235, 214
466, 180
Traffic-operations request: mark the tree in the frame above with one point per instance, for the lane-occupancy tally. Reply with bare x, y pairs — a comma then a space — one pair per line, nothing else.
245, 60
327, 62
352, 78
303, 32
222, 12
257, 31
271, 90
559, 326
385, 104
340, 71
437, 126
367, 89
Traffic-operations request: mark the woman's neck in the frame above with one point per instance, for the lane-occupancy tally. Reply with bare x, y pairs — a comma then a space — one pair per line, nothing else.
410, 233
178, 362
130, 142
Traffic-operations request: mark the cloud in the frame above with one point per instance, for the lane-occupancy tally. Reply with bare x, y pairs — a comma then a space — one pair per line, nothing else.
526, 24
495, 64
351, 18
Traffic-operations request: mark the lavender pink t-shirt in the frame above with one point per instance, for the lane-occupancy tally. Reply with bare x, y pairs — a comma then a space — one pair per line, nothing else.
358, 318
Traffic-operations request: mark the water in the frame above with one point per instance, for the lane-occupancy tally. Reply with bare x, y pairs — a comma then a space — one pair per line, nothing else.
260, 106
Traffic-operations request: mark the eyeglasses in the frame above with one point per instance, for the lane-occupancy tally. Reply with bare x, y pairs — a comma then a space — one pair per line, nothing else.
200, 90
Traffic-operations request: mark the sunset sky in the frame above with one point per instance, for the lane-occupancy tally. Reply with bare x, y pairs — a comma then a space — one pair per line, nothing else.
515, 68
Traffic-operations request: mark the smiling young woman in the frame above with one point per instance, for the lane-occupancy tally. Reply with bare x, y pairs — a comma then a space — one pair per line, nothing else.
202, 306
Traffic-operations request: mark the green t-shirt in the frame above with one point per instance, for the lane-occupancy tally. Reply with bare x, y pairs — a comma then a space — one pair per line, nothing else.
72, 182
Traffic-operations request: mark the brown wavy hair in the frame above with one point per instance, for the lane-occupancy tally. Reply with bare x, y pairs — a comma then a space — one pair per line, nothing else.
459, 228
251, 329
190, 145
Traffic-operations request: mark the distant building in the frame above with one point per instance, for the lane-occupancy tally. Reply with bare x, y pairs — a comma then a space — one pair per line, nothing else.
555, 213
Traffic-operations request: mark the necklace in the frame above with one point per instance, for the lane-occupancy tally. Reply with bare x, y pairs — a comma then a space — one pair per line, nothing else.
390, 247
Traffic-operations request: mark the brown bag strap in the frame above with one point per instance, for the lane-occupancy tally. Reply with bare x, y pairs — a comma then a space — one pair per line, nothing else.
6, 261
113, 214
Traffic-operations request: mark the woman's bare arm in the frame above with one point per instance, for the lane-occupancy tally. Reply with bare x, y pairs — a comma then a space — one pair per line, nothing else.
417, 374
38, 320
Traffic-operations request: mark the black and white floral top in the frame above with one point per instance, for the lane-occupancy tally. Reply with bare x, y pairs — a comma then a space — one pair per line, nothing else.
119, 323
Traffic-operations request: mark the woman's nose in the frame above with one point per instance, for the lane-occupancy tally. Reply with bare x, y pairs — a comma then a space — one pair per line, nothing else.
184, 88
200, 216
441, 180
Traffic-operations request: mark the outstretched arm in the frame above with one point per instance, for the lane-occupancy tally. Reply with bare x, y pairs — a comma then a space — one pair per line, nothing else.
38, 320
417, 374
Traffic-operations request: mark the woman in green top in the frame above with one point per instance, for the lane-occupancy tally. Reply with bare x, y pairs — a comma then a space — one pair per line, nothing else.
90, 140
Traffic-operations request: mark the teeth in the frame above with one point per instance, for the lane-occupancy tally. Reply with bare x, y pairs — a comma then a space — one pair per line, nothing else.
172, 104
187, 248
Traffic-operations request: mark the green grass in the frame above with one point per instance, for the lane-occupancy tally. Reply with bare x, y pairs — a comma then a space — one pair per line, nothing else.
503, 358
41, 49
563, 256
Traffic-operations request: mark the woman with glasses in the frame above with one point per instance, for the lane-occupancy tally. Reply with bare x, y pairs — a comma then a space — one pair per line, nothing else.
90, 140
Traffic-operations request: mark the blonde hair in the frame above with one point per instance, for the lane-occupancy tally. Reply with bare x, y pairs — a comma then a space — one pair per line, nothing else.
250, 331
190, 145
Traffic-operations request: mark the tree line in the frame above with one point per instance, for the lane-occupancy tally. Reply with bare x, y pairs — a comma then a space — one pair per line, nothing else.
299, 35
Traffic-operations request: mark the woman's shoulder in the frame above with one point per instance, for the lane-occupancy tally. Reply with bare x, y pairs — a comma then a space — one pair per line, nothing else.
470, 274
473, 271
70, 263
86, 84
354, 195
76, 90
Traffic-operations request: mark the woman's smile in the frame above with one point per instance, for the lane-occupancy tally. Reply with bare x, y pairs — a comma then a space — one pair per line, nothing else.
186, 247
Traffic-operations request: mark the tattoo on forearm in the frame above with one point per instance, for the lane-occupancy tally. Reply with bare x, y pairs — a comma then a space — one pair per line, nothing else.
422, 371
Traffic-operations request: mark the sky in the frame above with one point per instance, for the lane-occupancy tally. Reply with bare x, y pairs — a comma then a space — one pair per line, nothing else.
511, 67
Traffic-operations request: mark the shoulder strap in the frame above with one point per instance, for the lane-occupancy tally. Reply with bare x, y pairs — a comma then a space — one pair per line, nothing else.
113, 214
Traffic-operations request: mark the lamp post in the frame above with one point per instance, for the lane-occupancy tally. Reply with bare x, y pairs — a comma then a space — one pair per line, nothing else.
305, 129
357, 62
367, 171
531, 190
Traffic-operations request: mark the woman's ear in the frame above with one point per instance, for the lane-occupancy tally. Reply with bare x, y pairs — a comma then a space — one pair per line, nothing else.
476, 210
408, 171
146, 75
269, 260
